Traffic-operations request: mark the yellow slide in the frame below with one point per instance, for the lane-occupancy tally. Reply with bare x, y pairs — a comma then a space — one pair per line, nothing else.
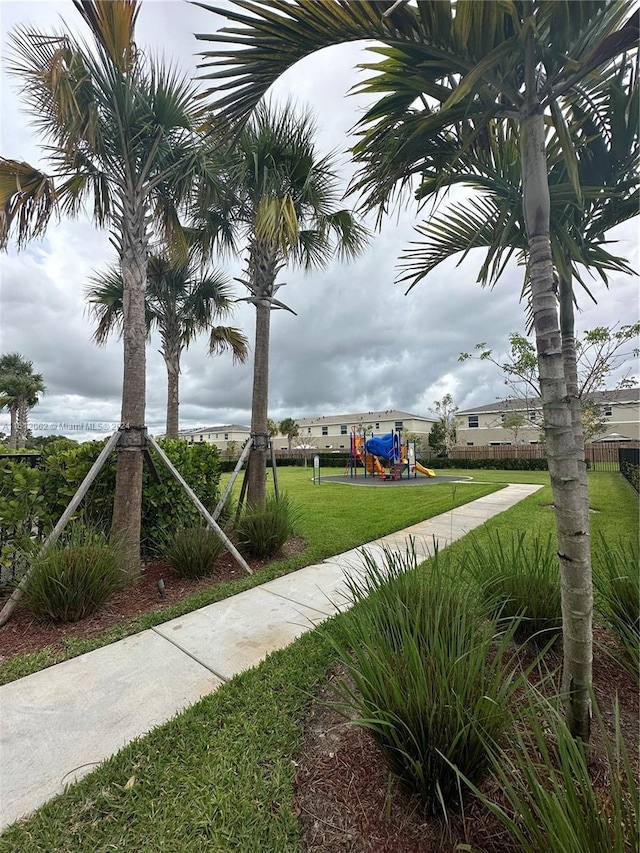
428, 471
373, 465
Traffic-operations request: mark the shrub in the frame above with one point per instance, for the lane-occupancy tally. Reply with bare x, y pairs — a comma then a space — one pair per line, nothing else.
261, 532
433, 680
617, 580
73, 578
519, 580
194, 552
545, 779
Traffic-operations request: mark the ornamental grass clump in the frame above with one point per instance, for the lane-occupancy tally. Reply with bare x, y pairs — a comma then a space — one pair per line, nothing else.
519, 580
563, 795
432, 677
194, 552
262, 531
73, 578
617, 580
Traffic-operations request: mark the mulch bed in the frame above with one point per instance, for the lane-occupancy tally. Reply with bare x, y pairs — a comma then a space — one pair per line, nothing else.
346, 801
24, 633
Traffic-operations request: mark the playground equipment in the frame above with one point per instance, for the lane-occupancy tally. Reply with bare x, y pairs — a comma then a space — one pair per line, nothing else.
377, 451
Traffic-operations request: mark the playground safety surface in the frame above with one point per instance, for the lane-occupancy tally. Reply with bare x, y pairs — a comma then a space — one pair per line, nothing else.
373, 480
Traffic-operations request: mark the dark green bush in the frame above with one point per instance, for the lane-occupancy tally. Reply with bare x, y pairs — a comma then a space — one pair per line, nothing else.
433, 679
519, 580
73, 578
32, 501
515, 464
617, 581
22, 516
194, 552
261, 532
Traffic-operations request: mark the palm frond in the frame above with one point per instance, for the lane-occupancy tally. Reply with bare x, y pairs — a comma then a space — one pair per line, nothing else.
112, 23
229, 339
28, 199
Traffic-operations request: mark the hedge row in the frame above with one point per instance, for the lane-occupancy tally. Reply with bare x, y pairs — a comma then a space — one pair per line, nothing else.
338, 460
33, 499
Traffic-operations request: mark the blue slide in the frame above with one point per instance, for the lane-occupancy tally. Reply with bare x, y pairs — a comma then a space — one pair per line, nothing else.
384, 446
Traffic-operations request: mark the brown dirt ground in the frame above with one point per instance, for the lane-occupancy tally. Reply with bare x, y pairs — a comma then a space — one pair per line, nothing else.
346, 801
23, 633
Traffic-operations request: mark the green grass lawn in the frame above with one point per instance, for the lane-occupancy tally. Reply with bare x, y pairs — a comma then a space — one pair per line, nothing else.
220, 776
334, 518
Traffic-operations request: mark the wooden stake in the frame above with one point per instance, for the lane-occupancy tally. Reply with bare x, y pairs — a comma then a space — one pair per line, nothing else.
245, 452
16, 595
200, 506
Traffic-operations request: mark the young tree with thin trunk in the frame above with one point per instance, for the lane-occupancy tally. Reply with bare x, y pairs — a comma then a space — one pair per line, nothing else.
182, 301
443, 64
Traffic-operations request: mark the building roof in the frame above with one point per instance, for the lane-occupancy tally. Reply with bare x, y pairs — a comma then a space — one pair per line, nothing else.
223, 428
614, 397
363, 417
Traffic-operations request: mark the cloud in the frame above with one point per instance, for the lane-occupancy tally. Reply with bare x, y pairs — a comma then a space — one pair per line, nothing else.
357, 342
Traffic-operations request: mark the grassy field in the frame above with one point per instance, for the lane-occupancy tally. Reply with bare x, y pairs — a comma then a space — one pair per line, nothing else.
220, 776
334, 518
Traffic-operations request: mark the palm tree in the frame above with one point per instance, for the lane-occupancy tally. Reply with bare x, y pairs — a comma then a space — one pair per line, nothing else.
19, 390
182, 301
291, 429
282, 199
120, 130
604, 121
446, 63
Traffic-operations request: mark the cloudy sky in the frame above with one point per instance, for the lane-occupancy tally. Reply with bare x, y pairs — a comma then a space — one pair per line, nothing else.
357, 342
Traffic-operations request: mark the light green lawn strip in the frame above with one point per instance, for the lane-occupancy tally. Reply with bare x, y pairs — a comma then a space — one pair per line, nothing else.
334, 518
220, 776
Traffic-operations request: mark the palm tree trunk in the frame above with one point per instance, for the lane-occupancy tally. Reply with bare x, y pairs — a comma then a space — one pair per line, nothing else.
570, 359
13, 429
127, 505
22, 425
172, 363
257, 467
563, 457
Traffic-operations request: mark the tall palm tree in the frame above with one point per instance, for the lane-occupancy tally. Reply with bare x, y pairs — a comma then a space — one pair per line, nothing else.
20, 388
181, 303
445, 63
282, 199
604, 121
120, 129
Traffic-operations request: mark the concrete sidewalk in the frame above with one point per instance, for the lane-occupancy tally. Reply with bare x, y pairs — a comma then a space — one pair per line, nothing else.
57, 725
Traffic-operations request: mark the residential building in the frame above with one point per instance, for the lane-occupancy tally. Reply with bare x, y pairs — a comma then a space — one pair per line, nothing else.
218, 435
493, 423
332, 432
328, 432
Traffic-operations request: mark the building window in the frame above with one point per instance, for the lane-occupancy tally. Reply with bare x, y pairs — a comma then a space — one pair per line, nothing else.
398, 425
201, 438
533, 416
503, 417
325, 430
308, 430
473, 421
608, 411
343, 429
226, 436
377, 424
469, 444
